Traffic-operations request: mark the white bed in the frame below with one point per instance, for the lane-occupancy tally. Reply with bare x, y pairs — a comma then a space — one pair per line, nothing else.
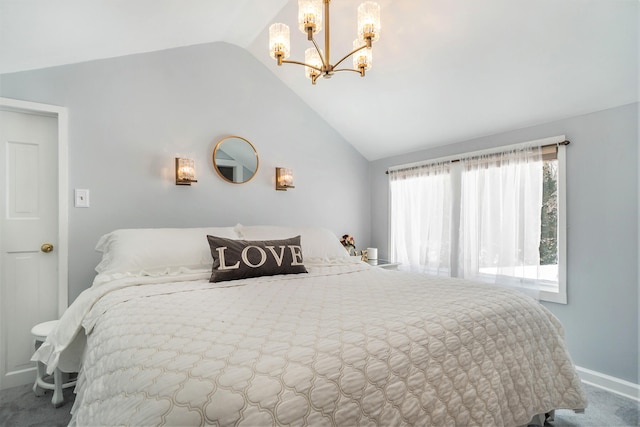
344, 344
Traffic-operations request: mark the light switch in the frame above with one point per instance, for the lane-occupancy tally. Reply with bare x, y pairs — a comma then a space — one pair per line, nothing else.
81, 198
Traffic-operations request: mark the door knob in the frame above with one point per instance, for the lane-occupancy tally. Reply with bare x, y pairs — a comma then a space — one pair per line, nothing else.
46, 247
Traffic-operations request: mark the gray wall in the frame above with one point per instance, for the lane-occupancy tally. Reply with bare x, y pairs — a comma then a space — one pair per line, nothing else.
601, 317
130, 116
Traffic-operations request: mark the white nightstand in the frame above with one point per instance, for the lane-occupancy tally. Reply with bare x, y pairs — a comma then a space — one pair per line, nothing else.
383, 263
44, 382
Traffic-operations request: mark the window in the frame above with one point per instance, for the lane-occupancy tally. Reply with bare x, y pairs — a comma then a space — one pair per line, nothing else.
495, 217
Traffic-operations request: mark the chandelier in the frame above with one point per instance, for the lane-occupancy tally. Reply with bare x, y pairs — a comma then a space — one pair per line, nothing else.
317, 62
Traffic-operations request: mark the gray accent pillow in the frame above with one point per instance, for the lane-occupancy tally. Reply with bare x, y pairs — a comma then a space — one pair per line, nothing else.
241, 259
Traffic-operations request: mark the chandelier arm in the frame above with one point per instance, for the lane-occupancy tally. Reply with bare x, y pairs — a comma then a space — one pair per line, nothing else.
349, 54
347, 69
301, 63
324, 64
361, 71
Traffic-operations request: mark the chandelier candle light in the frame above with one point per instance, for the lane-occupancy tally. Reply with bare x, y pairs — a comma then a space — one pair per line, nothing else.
317, 62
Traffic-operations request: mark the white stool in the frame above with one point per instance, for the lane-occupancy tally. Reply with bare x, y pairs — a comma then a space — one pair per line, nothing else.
40, 332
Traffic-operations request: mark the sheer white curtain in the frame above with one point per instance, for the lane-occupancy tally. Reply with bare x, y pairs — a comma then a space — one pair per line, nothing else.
420, 231
500, 205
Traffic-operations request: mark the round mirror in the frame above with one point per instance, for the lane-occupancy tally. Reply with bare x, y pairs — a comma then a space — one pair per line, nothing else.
235, 159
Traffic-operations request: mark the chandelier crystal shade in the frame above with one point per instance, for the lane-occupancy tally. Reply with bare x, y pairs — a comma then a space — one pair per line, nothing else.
279, 45
312, 20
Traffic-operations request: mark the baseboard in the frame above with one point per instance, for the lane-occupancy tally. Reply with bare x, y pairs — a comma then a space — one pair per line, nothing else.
18, 378
609, 383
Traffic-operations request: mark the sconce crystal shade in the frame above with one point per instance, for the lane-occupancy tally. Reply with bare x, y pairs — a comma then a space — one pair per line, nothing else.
362, 58
185, 171
310, 15
369, 21
284, 179
279, 41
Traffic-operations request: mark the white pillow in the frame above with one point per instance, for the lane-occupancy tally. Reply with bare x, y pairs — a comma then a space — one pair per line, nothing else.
316, 242
158, 251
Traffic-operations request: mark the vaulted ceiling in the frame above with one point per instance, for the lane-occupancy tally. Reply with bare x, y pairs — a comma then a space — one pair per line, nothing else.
443, 71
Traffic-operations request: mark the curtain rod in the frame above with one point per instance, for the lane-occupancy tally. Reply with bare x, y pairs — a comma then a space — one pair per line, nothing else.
565, 142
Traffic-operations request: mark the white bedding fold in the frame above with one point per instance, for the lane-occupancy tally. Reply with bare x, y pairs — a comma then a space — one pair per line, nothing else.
61, 339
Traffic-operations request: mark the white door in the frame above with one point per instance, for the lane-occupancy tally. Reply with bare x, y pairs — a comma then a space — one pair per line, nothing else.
29, 222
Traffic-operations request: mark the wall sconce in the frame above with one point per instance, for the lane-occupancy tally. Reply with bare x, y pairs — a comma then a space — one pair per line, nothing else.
185, 171
284, 179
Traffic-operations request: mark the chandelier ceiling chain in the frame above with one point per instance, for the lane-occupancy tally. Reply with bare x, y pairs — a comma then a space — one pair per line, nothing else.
310, 21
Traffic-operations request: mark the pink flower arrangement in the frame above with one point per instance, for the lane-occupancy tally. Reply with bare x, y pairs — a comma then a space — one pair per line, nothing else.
348, 242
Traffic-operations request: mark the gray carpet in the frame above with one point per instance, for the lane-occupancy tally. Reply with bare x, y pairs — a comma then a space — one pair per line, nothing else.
20, 407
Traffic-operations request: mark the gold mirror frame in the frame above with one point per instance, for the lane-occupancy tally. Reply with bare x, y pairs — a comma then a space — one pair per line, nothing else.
234, 163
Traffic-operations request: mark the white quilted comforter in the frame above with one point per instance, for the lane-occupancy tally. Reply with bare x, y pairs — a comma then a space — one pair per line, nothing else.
343, 345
